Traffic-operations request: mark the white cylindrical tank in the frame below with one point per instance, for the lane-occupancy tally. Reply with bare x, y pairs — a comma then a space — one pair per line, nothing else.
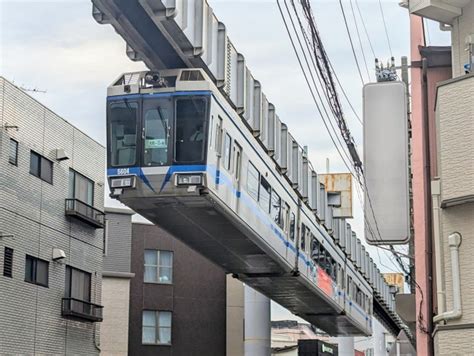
257, 323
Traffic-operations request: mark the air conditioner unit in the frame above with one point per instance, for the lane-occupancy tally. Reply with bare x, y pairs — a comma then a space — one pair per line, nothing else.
444, 11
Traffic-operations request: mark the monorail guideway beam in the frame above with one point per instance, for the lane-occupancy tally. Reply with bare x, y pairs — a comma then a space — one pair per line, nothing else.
168, 34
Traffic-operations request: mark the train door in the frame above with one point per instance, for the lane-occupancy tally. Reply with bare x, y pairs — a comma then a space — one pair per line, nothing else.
236, 175
218, 149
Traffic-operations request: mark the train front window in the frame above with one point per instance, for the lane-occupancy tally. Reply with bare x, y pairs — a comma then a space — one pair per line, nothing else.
123, 133
157, 121
190, 130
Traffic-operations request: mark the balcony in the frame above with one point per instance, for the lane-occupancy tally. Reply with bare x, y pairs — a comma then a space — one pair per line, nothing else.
86, 213
76, 309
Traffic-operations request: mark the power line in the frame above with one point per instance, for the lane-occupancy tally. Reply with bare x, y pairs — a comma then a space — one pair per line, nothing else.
385, 27
365, 28
350, 40
360, 41
326, 72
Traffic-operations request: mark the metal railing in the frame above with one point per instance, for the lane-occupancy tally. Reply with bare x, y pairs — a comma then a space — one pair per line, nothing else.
85, 212
77, 309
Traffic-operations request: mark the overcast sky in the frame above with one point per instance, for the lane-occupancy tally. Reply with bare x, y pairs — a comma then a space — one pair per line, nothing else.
56, 46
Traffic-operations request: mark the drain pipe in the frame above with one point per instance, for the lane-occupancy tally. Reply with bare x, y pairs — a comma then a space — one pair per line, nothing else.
454, 241
439, 261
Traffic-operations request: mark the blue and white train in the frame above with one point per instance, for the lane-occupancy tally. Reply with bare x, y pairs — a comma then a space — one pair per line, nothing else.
181, 156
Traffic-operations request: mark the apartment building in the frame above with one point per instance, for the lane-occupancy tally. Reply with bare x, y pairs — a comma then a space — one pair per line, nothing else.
449, 208
51, 236
177, 299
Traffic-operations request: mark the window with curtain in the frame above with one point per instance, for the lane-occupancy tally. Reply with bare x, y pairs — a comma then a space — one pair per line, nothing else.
158, 267
81, 188
156, 327
78, 284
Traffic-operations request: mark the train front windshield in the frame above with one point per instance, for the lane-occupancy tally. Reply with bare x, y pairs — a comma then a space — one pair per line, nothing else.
157, 131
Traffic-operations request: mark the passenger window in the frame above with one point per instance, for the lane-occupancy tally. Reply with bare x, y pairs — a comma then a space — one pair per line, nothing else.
264, 194
286, 219
276, 209
253, 178
315, 250
237, 160
227, 144
292, 227
219, 133
303, 237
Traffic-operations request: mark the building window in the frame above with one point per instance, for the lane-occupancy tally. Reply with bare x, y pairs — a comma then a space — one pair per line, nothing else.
41, 167
78, 284
158, 266
81, 188
36, 271
13, 153
156, 327
8, 262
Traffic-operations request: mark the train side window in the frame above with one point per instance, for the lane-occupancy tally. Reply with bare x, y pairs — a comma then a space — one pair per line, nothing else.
237, 160
276, 209
292, 226
315, 250
286, 217
253, 178
303, 237
227, 145
264, 194
211, 131
219, 133
322, 257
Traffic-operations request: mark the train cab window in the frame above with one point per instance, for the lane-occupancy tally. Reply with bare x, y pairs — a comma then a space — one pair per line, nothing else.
264, 194
190, 130
122, 122
253, 178
276, 209
227, 144
303, 237
157, 119
292, 226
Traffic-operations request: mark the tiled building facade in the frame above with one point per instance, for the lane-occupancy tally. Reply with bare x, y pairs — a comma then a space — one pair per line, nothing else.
51, 240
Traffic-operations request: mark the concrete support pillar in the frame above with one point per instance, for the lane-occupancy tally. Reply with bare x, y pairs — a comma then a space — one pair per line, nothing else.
257, 323
378, 333
346, 346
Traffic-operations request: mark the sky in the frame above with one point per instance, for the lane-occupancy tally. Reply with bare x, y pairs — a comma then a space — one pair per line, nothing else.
57, 47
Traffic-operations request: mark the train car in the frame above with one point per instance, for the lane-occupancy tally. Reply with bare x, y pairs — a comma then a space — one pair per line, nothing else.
181, 156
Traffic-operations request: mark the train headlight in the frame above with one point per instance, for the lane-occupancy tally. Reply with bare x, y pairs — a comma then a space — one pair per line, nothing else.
122, 182
189, 179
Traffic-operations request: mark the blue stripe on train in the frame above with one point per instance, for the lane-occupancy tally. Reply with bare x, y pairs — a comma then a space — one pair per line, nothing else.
223, 179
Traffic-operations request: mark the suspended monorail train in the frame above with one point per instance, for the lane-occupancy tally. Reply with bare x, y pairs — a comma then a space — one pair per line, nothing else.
181, 156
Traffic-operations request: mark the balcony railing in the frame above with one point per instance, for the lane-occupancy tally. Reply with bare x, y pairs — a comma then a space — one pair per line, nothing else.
77, 309
84, 212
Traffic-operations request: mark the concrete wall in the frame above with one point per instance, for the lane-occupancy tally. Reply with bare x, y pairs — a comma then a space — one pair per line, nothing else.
114, 328
118, 240
462, 27
33, 211
235, 317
